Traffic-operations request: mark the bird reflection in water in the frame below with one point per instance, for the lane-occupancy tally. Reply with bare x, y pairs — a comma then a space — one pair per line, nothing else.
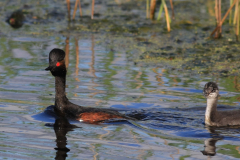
61, 128
210, 143
210, 146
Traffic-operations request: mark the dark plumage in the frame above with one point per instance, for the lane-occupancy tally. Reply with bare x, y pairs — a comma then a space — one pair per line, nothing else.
16, 19
63, 107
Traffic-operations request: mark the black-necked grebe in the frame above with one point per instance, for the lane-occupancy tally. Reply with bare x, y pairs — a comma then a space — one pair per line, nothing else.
63, 106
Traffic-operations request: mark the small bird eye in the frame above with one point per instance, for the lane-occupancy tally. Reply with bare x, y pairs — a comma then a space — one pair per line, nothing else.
58, 64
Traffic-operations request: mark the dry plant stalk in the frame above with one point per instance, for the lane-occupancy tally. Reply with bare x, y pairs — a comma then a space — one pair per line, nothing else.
225, 16
167, 15
220, 15
172, 9
92, 15
80, 8
218, 18
235, 14
75, 9
230, 14
147, 9
237, 19
68, 8
152, 9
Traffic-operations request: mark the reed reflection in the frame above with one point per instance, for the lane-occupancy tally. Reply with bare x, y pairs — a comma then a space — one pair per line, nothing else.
92, 72
158, 76
77, 60
92, 63
67, 52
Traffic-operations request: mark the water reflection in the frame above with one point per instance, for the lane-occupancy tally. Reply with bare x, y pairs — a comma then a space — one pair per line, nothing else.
210, 147
61, 128
77, 60
67, 52
221, 133
210, 143
92, 63
103, 74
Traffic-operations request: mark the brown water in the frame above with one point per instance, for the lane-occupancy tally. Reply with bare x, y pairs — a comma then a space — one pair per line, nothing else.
148, 72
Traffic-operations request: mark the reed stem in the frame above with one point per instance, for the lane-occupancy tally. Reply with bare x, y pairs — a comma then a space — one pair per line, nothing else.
75, 9
160, 11
68, 8
167, 15
230, 14
220, 16
171, 3
216, 15
225, 16
147, 8
235, 15
93, 3
80, 8
237, 18
152, 9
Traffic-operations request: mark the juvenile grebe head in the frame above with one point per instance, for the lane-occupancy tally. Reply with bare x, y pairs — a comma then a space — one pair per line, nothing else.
210, 90
57, 62
213, 117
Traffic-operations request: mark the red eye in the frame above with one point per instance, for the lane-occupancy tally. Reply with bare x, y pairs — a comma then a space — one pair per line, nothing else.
58, 64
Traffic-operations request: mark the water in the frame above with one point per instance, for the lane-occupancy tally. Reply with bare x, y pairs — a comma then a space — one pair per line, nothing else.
172, 124
104, 71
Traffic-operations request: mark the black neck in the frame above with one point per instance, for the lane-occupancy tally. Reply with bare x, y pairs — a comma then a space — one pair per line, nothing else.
60, 97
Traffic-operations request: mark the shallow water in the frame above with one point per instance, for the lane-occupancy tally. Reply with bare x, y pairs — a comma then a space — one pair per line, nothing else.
105, 69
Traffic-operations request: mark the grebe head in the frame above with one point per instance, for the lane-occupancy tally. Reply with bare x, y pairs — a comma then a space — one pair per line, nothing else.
210, 90
57, 62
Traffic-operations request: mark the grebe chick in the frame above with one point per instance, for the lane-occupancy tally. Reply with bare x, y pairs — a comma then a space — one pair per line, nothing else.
63, 107
213, 117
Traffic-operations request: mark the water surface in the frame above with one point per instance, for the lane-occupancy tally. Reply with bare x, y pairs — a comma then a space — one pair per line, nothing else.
111, 69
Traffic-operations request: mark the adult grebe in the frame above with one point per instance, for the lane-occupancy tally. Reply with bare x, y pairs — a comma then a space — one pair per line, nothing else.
63, 106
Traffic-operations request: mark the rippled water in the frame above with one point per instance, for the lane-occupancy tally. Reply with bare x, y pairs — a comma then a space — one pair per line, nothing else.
102, 72
172, 107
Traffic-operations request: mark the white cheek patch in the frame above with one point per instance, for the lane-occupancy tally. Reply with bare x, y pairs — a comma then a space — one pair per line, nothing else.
80, 120
213, 95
